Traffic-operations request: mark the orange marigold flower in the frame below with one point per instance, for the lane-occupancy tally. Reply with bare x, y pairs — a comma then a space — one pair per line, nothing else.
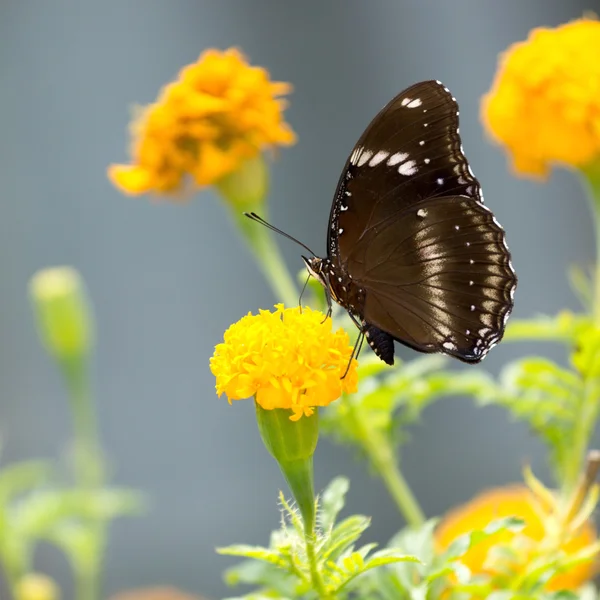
540, 522
219, 113
544, 105
289, 358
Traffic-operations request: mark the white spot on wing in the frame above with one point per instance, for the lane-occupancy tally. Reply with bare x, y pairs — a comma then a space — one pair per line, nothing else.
414, 103
422, 213
427, 161
396, 158
355, 154
449, 346
379, 157
440, 181
408, 168
364, 157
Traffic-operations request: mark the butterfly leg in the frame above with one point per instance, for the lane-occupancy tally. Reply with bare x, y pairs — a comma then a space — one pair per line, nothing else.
302, 293
329, 303
355, 352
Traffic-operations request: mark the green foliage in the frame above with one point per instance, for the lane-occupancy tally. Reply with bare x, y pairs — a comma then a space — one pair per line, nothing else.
564, 327
33, 508
548, 398
558, 403
389, 401
283, 570
444, 575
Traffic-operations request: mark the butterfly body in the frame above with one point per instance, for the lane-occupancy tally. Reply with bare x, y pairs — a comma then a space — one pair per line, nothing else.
413, 254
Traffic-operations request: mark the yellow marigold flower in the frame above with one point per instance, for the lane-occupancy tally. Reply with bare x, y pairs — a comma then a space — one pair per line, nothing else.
516, 501
544, 105
289, 358
219, 113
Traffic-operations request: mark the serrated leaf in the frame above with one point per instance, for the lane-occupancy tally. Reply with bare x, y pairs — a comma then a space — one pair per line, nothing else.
342, 536
354, 566
291, 515
256, 552
332, 501
387, 557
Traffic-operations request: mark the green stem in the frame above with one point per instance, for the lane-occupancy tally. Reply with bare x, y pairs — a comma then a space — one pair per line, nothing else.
269, 259
88, 459
299, 477
89, 472
592, 178
584, 428
382, 458
588, 412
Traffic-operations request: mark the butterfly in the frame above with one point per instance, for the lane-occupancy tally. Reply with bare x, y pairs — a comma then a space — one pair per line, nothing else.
413, 254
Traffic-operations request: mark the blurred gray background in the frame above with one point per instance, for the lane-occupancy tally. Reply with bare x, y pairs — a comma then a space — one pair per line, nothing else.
167, 280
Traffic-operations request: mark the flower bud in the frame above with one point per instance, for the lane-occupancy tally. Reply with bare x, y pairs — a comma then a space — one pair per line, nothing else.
62, 311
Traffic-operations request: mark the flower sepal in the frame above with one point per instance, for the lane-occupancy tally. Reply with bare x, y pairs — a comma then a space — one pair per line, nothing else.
292, 444
245, 189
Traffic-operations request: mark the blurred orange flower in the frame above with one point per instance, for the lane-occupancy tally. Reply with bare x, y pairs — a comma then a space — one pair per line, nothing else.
540, 525
219, 113
544, 105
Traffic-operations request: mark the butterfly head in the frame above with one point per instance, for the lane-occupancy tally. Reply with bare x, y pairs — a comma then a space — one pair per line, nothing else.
314, 266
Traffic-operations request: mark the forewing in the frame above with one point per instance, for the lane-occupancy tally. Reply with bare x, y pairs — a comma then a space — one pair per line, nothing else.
438, 277
410, 152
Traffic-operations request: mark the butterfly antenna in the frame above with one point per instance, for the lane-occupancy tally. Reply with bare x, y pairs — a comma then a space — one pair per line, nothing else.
254, 217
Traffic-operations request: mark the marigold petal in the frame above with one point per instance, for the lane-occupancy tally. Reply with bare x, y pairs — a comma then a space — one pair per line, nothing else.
130, 179
287, 359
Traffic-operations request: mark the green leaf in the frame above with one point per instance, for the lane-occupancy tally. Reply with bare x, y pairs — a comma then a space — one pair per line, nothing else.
354, 565
545, 396
342, 537
39, 512
563, 327
22, 477
582, 283
256, 552
461, 545
332, 501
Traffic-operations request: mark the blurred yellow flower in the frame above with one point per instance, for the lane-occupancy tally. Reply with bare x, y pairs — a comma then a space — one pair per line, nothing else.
539, 526
289, 358
544, 105
36, 586
219, 113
